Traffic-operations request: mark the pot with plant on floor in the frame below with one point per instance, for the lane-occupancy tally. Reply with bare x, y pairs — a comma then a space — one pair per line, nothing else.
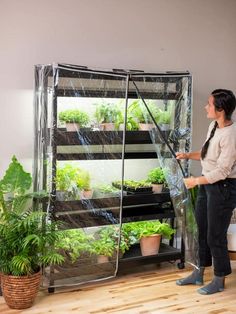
26, 239
74, 119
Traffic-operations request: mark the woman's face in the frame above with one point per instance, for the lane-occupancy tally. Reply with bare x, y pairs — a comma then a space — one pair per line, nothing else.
211, 110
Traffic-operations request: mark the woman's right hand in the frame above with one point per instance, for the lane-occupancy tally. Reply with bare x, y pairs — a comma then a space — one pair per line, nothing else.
180, 155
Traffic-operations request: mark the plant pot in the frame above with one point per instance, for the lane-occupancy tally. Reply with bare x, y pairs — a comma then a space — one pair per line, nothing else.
20, 292
165, 127
107, 126
145, 126
72, 127
102, 259
150, 245
87, 194
157, 188
61, 196
231, 236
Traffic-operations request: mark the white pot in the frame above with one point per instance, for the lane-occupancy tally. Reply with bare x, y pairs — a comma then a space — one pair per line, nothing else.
165, 127
231, 236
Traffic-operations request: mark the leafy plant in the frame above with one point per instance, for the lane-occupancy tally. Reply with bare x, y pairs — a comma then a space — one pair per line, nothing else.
66, 177
26, 236
156, 176
150, 227
105, 190
104, 244
70, 178
138, 110
83, 180
131, 124
15, 180
164, 117
76, 243
108, 239
131, 183
107, 113
74, 116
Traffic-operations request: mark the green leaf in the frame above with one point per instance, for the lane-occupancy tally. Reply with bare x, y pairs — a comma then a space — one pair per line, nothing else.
15, 180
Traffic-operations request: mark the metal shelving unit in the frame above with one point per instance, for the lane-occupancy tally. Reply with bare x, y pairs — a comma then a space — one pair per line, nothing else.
58, 81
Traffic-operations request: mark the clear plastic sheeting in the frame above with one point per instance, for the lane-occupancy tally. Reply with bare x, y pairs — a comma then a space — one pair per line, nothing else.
93, 135
167, 141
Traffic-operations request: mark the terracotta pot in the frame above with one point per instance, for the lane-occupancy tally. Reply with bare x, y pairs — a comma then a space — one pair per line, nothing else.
72, 127
87, 194
150, 245
20, 292
157, 188
107, 126
145, 126
102, 259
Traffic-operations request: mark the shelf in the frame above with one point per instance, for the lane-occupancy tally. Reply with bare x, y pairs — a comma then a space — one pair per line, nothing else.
128, 200
110, 156
166, 253
106, 211
64, 138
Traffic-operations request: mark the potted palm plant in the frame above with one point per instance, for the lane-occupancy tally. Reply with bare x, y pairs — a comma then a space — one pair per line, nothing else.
27, 239
74, 119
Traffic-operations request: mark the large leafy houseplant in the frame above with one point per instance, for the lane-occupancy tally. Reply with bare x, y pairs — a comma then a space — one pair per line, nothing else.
27, 237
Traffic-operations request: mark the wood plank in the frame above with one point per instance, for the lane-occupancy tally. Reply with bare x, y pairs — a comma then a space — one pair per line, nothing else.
148, 292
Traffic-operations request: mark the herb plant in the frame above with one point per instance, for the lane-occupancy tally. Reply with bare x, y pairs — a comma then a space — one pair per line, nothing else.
74, 116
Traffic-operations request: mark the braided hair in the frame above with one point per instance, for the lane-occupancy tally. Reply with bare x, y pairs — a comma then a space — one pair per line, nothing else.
224, 99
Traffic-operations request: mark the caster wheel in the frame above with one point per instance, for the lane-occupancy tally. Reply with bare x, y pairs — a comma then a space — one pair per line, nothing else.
181, 265
51, 290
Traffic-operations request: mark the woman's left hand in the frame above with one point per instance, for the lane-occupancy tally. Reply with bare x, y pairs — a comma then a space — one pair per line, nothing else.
190, 182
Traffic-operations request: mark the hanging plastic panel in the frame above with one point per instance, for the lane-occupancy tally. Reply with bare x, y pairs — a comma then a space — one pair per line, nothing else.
166, 112
79, 151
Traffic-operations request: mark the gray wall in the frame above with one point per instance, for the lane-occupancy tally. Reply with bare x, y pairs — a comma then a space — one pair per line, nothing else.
152, 35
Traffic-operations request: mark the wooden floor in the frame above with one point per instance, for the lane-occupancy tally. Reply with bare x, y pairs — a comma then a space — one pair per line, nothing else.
151, 291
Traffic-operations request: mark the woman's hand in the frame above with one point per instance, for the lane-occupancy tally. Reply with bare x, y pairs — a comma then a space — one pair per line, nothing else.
191, 182
180, 155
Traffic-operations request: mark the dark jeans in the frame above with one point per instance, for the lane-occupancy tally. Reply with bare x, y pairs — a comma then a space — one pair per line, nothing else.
215, 203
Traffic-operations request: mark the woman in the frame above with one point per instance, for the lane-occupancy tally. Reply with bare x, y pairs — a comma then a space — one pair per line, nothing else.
217, 191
